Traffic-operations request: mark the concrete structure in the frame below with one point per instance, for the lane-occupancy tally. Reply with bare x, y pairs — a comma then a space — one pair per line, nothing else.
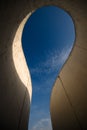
69, 95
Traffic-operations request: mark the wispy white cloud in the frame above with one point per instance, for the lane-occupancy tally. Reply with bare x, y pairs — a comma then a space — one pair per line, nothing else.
47, 71
43, 124
53, 60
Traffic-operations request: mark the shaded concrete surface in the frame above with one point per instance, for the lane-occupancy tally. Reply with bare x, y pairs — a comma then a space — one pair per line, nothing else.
14, 98
71, 84
63, 116
69, 94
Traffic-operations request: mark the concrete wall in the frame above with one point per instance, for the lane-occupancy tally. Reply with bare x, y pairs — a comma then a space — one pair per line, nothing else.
69, 94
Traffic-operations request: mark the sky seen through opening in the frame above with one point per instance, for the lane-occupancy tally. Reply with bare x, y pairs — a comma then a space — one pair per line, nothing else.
47, 41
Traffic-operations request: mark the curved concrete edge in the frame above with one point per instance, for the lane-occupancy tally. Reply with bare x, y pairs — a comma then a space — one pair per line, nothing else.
68, 105
19, 58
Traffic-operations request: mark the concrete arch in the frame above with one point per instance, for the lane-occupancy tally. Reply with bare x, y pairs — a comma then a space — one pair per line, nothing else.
68, 100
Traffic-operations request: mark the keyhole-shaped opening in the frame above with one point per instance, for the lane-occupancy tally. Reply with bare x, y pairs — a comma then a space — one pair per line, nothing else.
47, 41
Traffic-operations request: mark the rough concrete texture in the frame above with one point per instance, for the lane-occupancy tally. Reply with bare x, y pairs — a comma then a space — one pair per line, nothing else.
69, 95
19, 59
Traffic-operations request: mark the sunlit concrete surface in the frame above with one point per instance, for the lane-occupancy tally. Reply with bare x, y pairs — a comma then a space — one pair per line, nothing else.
19, 59
69, 94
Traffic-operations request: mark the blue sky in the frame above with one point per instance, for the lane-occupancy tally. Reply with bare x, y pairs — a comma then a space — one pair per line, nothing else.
47, 40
